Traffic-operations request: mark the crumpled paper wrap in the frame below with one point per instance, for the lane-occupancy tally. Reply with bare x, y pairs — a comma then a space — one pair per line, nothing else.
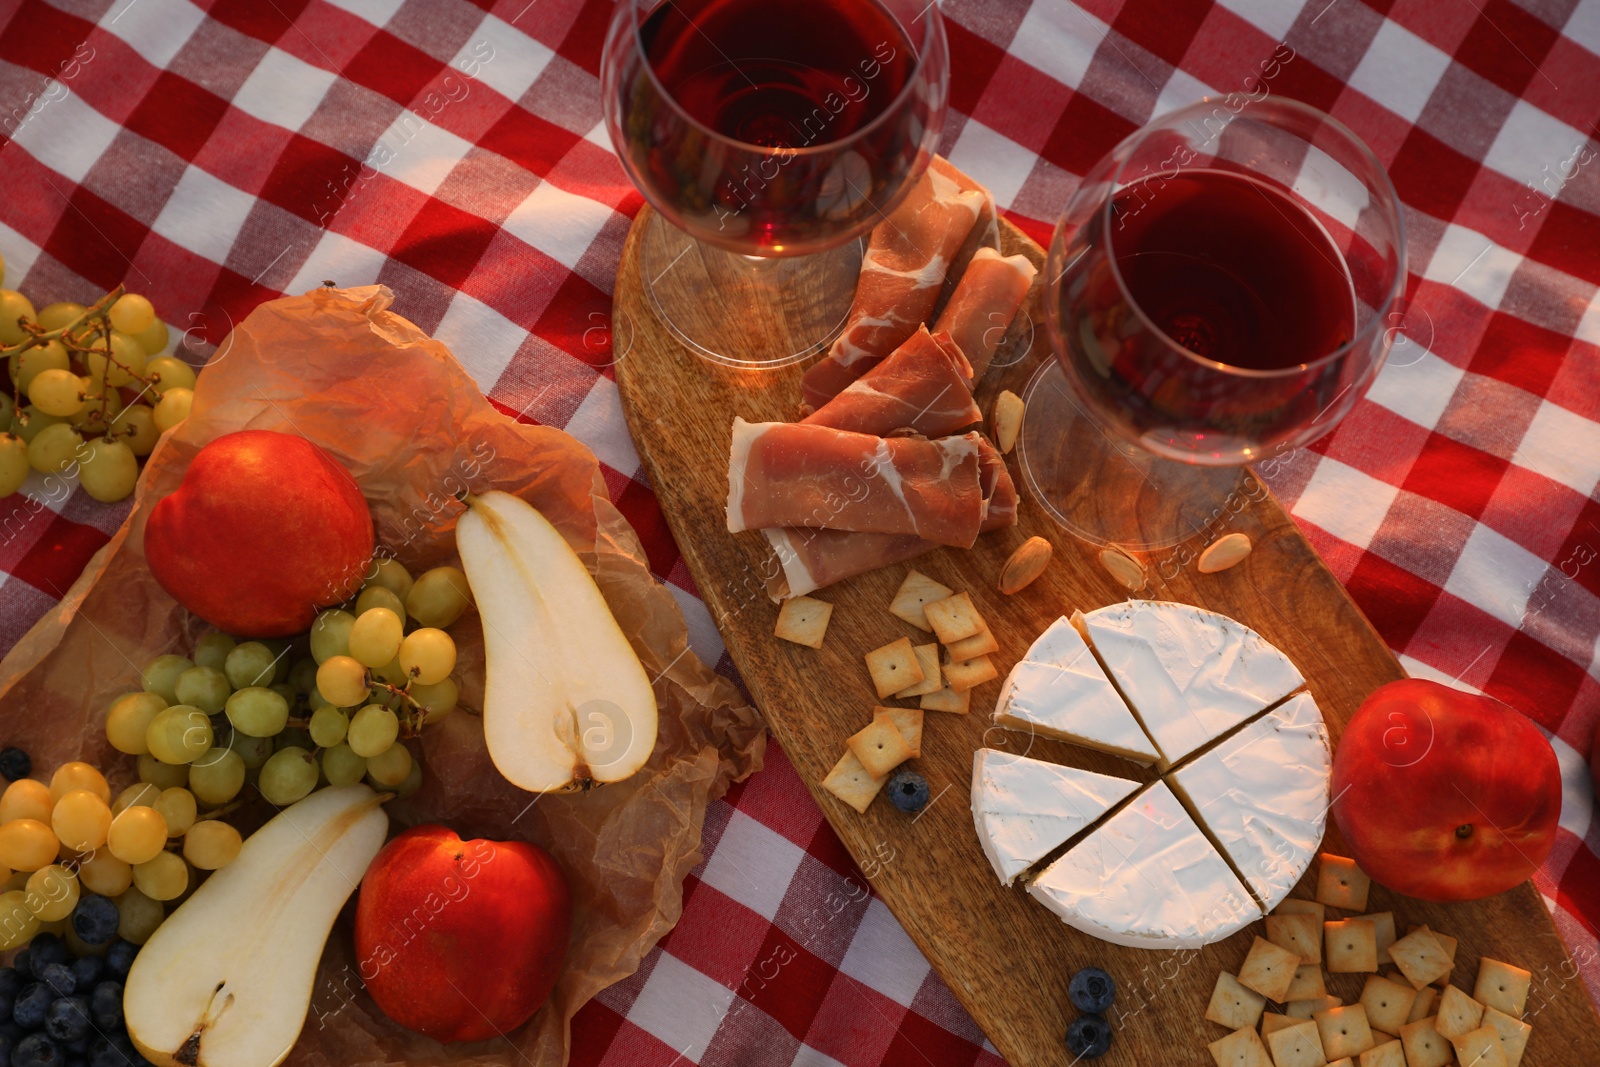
396, 408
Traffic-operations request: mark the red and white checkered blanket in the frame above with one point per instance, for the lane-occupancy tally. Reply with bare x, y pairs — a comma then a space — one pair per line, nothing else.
216, 154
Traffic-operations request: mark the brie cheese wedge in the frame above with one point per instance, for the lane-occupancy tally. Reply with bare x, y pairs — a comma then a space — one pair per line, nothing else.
1190, 674
1147, 878
1059, 691
1263, 795
1023, 808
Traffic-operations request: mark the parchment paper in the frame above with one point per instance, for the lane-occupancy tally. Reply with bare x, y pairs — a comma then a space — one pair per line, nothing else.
396, 408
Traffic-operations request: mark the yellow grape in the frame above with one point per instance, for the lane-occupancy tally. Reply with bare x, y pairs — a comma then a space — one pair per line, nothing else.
98, 414
136, 795
37, 422
177, 806
18, 923
217, 777
14, 466
390, 767
13, 306
212, 650
57, 392
163, 878
30, 362
328, 726
439, 597
377, 596
342, 680
52, 893
428, 655
137, 835
138, 916
211, 844
136, 426
54, 449
78, 775
132, 313
128, 721
54, 316
412, 783
392, 673
372, 730
27, 845
81, 820
342, 766
437, 700
153, 338
127, 360
375, 638
330, 634
162, 775
26, 798
173, 408
108, 470
179, 734
170, 373
392, 575
103, 873
162, 674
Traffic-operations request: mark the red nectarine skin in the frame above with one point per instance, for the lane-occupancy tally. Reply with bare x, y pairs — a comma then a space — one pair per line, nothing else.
1445, 795
265, 529
461, 940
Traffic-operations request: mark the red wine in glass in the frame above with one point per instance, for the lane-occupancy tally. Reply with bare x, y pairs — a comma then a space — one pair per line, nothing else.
1231, 295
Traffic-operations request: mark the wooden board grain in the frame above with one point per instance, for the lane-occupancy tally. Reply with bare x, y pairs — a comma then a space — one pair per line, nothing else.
1005, 957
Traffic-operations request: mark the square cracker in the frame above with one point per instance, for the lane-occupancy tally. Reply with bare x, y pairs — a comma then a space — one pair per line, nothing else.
894, 667
1388, 1003
1296, 906
1383, 923
953, 618
1272, 1020
966, 674
1513, 1034
1352, 946
1305, 1009
1446, 942
1423, 1006
850, 782
1297, 1046
1341, 884
1501, 986
1344, 1031
947, 699
1479, 1048
804, 621
979, 644
908, 721
1388, 1054
1346, 1062
1242, 1048
1309, 984
880, 746
928, 659
1300, 933
1420, 957
1269, 969
1232, 1005
917, 591
1458, 1013
1423, 1045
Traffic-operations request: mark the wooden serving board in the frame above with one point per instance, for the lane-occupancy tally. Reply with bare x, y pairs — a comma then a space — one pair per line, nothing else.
1005, 957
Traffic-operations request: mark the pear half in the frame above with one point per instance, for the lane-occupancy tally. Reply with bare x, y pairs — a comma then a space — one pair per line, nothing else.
566, 703
226, 981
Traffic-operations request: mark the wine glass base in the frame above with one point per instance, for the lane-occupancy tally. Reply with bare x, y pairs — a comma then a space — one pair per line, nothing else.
1104, 490
746, 311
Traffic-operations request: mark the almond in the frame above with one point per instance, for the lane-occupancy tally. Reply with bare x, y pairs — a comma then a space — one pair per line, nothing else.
1123, 567
1026, 563
1007, 420
1223, 553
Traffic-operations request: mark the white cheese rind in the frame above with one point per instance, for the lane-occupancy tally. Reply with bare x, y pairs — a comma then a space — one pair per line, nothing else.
1263, 794
1060, 691
1147, 878
1024, 807
1190, 674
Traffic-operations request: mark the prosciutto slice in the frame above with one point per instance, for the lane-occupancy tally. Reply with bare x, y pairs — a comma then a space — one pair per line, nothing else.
809, 559
985, 301
923, 387
794, 474
902, 274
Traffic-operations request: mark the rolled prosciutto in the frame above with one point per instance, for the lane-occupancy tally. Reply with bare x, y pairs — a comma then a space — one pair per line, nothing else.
810, 559
902, 273
922, 388
985, 301
792, 474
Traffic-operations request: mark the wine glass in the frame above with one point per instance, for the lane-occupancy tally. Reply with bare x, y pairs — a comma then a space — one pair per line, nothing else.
1218, 293
769, 136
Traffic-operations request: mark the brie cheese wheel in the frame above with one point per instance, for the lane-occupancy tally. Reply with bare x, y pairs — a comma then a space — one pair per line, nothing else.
1190, 674
1263, 795
1023, 808
1148, 878
1059, 691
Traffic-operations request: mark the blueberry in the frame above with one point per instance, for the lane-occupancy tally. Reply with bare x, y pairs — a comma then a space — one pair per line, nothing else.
88, 970
31, 1006
119, 958
7, 1043
60, 979
909, 791
95, 919
14, 763
23, 964
46, 949
1089, 1037
1092, 990
68, 1019
11, 982
114, 1051
105, 1005
36, 1050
